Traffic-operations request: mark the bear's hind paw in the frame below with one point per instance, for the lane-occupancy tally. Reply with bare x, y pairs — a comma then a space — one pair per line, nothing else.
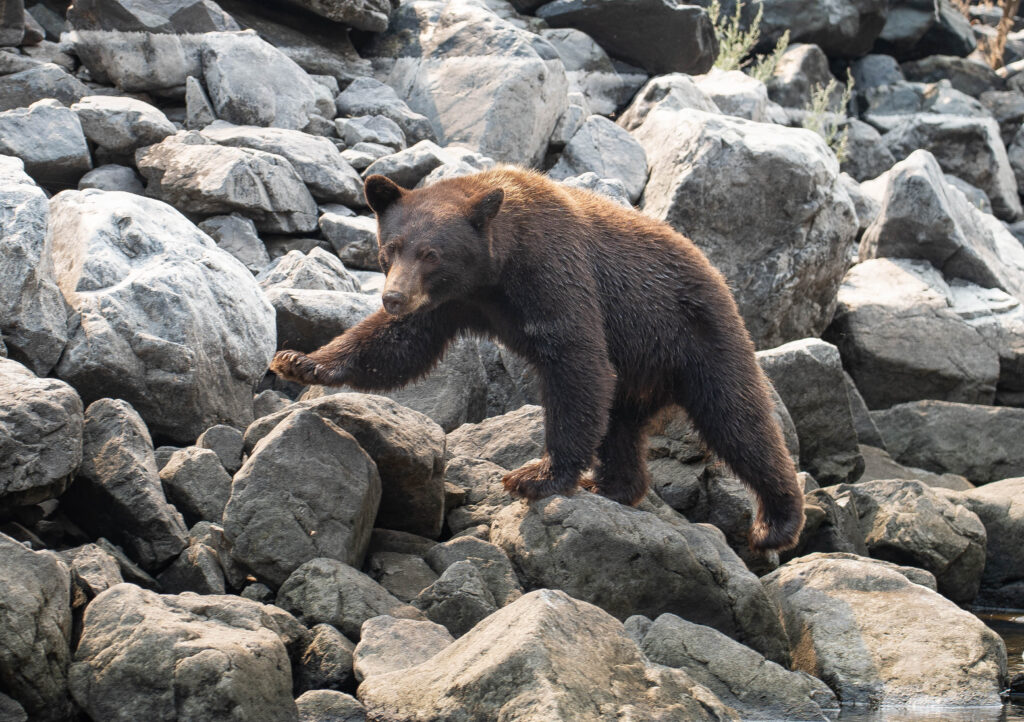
536, 481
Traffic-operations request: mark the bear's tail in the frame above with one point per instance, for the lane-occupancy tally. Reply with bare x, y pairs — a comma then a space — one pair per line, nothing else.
728, 400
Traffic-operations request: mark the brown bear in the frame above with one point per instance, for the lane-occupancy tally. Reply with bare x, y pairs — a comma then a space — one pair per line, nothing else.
620, 315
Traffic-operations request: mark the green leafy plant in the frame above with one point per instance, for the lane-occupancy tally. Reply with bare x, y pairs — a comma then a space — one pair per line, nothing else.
825, 120
764, 67
736, 44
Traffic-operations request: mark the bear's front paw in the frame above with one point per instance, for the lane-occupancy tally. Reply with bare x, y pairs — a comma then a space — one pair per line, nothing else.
295, 366
536, 480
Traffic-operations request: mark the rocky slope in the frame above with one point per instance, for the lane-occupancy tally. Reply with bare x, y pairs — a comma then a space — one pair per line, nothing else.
185, 537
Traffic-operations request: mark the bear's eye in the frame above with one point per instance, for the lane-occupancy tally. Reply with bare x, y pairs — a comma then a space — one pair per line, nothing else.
431, 257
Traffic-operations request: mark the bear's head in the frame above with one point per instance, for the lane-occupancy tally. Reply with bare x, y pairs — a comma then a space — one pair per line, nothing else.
434, 242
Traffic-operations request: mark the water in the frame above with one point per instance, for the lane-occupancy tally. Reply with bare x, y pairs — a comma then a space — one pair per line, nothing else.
1010, 626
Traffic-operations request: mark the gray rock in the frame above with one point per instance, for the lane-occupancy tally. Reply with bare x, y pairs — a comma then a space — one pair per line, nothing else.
227, 442
862, 423
490, 561
740, 677
323, 705
196, 569
841, 29
924, 217
279, 95
11, 711
371, 129
139, 61
979, 442
503, 667
875, 69
509, 441
999, 318
906, 522
618, 558
326, 662
458, 600
199, 111
577, 110
1007, 107
676, 90
1000, 506
196, 483
916, 29
23, 88
34, 317
35, 630
879, 465
268, 402
610, 187
191, 334
589, 70
317, 270
371, 15
93, 571
969, 148
112, 177
880, 639
785, 255
237, 235
363, 154
200, 177
309, 319
40, 435
327, 591
887, 107
317, 160
901, 341
121, 125
172, 646
735, 93
179, 16
407, 447
482, 82
404, 575
13, 27
389, 644
366, 96
975, 196
965, 74
604, 148
49, 140
867, 156
661, 37
354, 238
117, 492
808, 375
328, 510
485, 496
802, 68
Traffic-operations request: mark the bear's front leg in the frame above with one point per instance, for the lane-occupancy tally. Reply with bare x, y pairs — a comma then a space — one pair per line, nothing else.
577, 382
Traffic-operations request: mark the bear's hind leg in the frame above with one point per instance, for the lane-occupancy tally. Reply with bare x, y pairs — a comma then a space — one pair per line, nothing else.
621, 473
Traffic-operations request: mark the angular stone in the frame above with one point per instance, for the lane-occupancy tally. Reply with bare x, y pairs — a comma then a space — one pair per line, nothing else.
112, 177
22, 89
388, 644
882, 640
49, 140
509, 441
317, 270
177, 16
371, 129
326, 662
1000, 506
172, 647
309, 319
404, 575
237, 235
324, 705
785, 255
618, 558
735, 93
371, 15
33, 321
196, 569
503, 667
93, 571
35, 630
197, 484
165, 319
227, 442
121, 125
407, 447
366, 96
458, 600
604, 148
328, 510
844, 29
879, 465
490, 561
589, 70
354, 238
676, 90
327, 591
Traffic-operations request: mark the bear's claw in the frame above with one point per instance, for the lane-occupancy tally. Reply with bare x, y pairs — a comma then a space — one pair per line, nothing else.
295, 366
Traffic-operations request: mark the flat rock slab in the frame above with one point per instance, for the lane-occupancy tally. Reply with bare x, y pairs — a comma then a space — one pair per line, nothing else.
526, 663
876, 638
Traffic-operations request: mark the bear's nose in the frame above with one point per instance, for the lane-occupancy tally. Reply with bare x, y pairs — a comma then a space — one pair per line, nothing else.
394, 301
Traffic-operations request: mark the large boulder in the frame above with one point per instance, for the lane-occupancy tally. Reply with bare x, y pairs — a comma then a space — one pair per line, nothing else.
784, 254
117, 493
307, 490
371, 15
628, 561
201, 178
317, 160
602, 147
40, 435
388, 644
525, 662
407, 447
999, 318
919, 28
149, 16
148, 656
847, 28
140, 61
976, 441
21, 89
121, 125
33, 315
755, 687
969, 148
590, 71
1000, 506
901, 340
35, 630
923, 216
660, 36
878, 639
196, 482
164, 319
49, 140
307, 319
480, 80
366, 96
808, 375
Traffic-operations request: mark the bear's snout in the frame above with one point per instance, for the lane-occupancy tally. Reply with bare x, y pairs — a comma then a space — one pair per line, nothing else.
394, 302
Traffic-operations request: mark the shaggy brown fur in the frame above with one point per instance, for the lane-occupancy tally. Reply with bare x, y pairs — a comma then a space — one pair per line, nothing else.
620, 315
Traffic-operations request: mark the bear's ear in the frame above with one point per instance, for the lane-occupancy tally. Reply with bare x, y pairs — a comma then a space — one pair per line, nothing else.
381, 192
485, 206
